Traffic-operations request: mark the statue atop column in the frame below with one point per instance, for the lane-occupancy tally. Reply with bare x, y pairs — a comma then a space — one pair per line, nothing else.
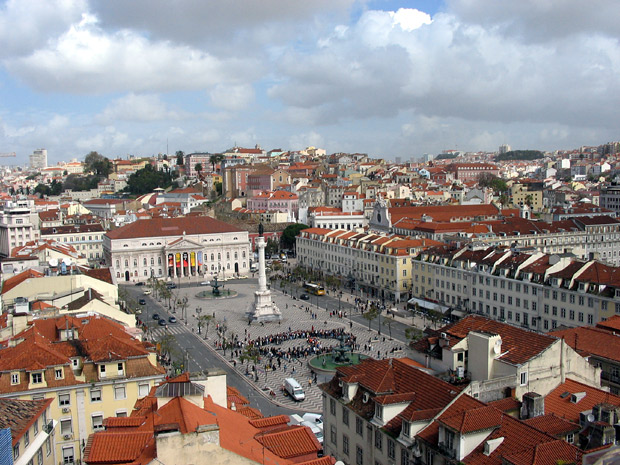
261, 229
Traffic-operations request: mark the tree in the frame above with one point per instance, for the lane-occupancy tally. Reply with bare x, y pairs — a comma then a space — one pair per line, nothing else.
387, 321
371, 314
203, 320
271, 247
147, 179
97, 164
218, 188
198, 167
492, 181
180, 155
214, 159
78, 183
290, 233
413, 334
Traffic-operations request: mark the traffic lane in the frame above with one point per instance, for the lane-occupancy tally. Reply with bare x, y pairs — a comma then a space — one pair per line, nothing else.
201, 358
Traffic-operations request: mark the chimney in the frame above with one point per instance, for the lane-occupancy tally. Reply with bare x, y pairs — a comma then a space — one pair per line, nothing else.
532, 405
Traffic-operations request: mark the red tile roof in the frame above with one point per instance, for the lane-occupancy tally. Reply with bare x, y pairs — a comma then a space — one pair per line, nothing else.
469, 421
171, 227
118, 447
270, 421
20, 278
592, 341
559, 401
293, 442
553, 425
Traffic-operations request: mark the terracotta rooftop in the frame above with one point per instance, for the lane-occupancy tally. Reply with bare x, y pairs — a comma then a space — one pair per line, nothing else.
553, 425
560, 402
19, 415
290, 443
587, 340
171, 227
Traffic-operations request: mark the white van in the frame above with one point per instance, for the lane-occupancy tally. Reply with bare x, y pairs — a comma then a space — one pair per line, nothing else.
293, 388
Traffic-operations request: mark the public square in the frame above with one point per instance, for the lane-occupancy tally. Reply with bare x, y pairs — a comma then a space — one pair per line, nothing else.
287, 341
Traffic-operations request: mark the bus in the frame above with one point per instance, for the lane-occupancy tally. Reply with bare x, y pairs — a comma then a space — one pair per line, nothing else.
315, 289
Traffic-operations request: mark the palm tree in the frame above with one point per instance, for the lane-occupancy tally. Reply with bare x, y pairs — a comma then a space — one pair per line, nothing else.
215, 159
198, 168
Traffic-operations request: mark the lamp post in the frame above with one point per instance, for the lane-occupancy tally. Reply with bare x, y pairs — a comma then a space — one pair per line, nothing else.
198, 312
339, 297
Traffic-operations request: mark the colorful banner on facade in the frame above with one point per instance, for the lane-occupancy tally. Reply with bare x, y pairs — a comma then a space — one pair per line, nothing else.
192, 259
170, 260
200, 258
178, 257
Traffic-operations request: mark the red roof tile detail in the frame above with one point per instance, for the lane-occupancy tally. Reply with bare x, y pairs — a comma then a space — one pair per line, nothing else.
565, 408
290, 443
117, 447
478, 419
270, 421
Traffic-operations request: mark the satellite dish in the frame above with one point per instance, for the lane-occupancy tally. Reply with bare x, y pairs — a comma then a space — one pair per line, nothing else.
498, 346
590, 418
53, 262
67, 261
339, 462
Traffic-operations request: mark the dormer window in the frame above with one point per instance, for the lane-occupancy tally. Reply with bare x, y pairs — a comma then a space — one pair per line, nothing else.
102, 371
37, 378
406, 428
14, 378
120, 369
379, 411
58, 373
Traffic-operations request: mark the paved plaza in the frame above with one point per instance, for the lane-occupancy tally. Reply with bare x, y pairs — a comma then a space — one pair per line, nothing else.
267, 375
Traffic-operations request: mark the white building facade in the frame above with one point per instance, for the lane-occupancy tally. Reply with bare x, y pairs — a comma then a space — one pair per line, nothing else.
177, 247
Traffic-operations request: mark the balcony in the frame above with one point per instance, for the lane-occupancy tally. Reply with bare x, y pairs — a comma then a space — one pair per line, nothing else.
49, 427
445, 450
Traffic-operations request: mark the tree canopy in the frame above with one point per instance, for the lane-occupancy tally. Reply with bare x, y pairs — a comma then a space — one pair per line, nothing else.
492, 181
54, 188
97, 164
76, 182
290, 233
180, 156
520, 155
147, 179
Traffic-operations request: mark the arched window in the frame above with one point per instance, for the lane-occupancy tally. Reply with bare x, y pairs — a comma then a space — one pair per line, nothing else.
145, 273
126, 263
219, 256
118, 275
236, 255
243, 255
152, 261
212, 257
144, 261
118, 263
135, 262
227, 255
159, 260
228, 266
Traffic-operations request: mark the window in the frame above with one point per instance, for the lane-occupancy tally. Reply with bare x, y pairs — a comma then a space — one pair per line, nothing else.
16, 451
14, 378
120, 369
391, 448
48, 447
37, 378
36, 427
65, 426
64, 399
333, 435
359, 426
332, 406
102, 370
143, 390
378, 440
523, 378
590, 319
379, 411
58, 373
345, 444
97, 422
345, 415
404, 455
406, 428
26, 438
119, 392
570, 438
95, 395
40, 457
359, 456
67, 455
121, 413
449, 438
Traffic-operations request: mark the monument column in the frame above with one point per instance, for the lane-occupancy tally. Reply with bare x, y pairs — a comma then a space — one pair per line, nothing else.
263, 309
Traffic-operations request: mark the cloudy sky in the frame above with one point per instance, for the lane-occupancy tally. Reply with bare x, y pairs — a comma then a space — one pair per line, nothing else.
389, 78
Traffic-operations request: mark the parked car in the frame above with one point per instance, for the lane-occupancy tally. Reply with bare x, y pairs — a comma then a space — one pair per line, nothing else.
171, 286
304, 297
172, 319
156, 316
142, 302
140, 283
161, 322
205, 283
147, 292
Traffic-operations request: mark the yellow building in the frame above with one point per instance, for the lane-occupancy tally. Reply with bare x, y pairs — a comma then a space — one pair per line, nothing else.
89, 366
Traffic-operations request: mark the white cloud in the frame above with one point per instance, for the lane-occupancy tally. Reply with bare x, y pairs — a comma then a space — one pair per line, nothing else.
87, 59
231, 97
302, 141
134, 107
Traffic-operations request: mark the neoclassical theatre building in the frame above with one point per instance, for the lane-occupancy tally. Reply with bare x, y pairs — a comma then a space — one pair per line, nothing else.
177, 247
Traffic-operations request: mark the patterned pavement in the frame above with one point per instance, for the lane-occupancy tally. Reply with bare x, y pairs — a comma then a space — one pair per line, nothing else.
231, 314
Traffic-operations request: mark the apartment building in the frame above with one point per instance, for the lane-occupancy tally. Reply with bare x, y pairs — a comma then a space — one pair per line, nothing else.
89, 367
493, 360
335, 218
86, 239
610, 198
18, 224
30, 429
390, 411
377, 264
536, 291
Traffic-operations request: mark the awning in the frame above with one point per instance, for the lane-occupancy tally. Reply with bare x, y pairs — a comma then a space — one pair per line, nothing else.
427, 305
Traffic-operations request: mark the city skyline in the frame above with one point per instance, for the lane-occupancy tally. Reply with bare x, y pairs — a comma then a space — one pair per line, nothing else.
388, 78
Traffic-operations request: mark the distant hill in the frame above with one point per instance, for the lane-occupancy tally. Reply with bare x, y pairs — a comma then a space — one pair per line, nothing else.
446, 156
520, 155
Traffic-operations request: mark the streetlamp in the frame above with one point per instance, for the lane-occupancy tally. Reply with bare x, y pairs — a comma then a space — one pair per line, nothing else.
339, 297
198, 312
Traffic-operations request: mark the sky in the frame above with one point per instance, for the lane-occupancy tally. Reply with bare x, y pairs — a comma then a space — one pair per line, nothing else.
384, 77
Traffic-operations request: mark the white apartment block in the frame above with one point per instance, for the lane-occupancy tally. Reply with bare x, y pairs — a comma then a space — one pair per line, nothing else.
18, 225
38, 159
538, 291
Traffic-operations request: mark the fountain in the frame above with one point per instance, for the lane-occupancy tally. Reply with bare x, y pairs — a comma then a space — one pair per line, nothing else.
215, 292
340, 355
